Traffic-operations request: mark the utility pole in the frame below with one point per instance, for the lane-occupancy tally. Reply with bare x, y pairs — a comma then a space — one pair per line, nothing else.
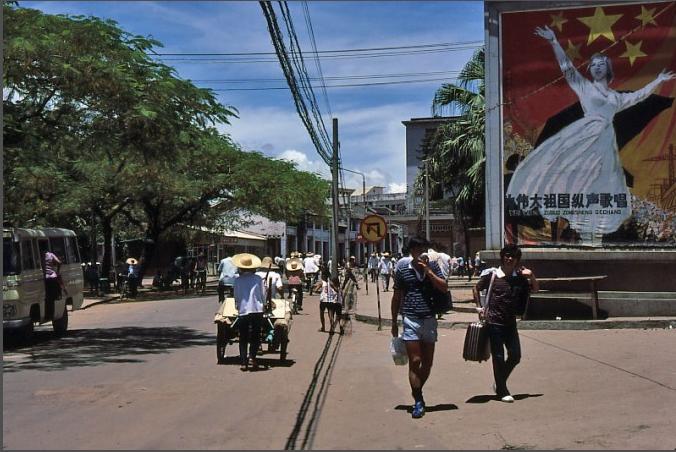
427, 200
334, 184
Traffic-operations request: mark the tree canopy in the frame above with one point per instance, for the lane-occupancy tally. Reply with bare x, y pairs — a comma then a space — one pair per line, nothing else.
94, 126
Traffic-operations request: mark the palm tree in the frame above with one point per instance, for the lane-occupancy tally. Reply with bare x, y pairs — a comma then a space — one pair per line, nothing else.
456, 152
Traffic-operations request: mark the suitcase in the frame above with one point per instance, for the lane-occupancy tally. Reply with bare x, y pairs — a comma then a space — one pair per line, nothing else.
477, 347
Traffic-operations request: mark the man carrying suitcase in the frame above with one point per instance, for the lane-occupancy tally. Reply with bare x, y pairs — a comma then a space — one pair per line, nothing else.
508, 295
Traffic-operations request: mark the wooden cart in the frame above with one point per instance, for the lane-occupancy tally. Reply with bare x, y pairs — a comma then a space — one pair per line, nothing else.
277, 322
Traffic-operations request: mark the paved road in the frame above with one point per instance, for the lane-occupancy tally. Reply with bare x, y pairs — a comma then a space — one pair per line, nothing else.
143, 375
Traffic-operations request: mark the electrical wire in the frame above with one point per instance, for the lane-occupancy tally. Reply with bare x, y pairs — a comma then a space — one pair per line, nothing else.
311, 33
347, 85
371, 49
332, 78
326, 57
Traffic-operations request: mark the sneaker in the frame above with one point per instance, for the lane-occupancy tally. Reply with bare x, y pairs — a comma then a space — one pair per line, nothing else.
418, 410
508, 399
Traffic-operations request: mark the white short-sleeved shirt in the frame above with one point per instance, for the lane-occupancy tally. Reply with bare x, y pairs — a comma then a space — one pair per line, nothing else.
385, 267
227, 271
310, 265
275, 279
249, 294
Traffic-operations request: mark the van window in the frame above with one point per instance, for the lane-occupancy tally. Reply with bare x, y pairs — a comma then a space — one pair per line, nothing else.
72, 252
58, 247
27, 258
10, 255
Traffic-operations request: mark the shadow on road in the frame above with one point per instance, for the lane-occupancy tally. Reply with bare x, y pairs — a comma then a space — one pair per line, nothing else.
263, 363
92, 347
429, 408
317, 392
484, 398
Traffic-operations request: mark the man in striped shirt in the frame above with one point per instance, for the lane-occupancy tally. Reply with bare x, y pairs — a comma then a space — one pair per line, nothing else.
412, 300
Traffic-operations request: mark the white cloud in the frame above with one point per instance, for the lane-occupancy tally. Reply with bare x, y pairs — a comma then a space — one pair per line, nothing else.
396, 188
306, 164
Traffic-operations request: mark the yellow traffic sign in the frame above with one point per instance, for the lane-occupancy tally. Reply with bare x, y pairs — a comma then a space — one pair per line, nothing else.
373, 228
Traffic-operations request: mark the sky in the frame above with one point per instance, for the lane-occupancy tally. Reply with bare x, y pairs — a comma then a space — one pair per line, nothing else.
371, 133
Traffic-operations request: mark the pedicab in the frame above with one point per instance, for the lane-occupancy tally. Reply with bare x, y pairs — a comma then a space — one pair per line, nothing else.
277, 320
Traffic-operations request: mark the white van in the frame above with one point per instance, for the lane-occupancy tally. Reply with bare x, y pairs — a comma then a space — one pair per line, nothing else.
23, 282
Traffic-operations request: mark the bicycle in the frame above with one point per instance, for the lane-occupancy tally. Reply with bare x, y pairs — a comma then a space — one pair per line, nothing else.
123, 286
201, 282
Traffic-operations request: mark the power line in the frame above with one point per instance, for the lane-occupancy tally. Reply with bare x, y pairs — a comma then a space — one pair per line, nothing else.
371, 49
326, 57
333, 78
348, 85
296, 77
311, 32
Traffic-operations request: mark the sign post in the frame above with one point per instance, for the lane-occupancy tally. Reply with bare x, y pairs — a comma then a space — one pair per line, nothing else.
373, 228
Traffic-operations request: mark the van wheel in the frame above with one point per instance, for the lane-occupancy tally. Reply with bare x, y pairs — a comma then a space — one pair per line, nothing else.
61, 325
27, 332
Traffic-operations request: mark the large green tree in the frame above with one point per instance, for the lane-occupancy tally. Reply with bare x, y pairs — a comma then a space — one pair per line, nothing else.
456, 152
96, 129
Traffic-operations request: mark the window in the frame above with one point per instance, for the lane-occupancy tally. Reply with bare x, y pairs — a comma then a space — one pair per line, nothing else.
72, 251
10, 253
58, 247
27, 258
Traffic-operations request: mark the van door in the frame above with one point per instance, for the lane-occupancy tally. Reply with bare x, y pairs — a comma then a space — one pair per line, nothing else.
32, 288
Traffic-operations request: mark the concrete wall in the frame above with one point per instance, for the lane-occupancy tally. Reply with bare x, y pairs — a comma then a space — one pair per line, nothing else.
627, 270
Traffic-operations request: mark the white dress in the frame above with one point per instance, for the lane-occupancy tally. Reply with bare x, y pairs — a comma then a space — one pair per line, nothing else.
582, 158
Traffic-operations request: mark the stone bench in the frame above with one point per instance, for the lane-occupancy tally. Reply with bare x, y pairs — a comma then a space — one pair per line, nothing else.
589, 283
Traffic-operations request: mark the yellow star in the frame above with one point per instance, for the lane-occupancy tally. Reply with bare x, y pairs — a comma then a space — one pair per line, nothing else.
600, 25
573, 51
647, 16
633, 51
558, 21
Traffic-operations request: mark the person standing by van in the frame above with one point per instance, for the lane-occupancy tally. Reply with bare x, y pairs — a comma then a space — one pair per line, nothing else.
53, 284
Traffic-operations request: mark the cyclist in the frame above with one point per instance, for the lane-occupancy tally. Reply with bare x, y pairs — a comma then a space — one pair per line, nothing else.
201, 270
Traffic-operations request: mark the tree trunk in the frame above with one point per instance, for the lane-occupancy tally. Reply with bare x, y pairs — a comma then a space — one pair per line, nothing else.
106, 265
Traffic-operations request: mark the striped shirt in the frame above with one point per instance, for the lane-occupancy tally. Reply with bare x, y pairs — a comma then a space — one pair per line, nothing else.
329, 294
414, 304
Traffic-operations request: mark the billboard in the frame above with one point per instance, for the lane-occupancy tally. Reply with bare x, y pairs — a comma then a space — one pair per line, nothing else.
588, 125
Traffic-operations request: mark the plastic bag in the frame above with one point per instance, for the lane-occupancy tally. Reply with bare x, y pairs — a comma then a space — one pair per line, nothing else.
398, 351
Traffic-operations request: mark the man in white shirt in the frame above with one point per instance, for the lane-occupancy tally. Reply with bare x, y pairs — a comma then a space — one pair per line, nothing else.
274, 279
373, 267
311, 269
385, 270
227, 274
249, 294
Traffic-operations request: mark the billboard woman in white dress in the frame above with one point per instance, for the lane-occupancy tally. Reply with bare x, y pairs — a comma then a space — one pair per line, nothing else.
583, 157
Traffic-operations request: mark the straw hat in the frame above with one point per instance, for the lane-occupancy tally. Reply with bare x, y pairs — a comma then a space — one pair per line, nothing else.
132, 261
246, 261
268, 263
294, 264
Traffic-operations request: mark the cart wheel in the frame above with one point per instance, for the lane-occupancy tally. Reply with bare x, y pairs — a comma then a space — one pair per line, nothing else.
221, 342
283, 342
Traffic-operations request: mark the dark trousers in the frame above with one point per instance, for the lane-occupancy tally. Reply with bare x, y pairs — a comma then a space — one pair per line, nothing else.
310, 280
299, 293
249, 334
133, 285
222, 288
504, 337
